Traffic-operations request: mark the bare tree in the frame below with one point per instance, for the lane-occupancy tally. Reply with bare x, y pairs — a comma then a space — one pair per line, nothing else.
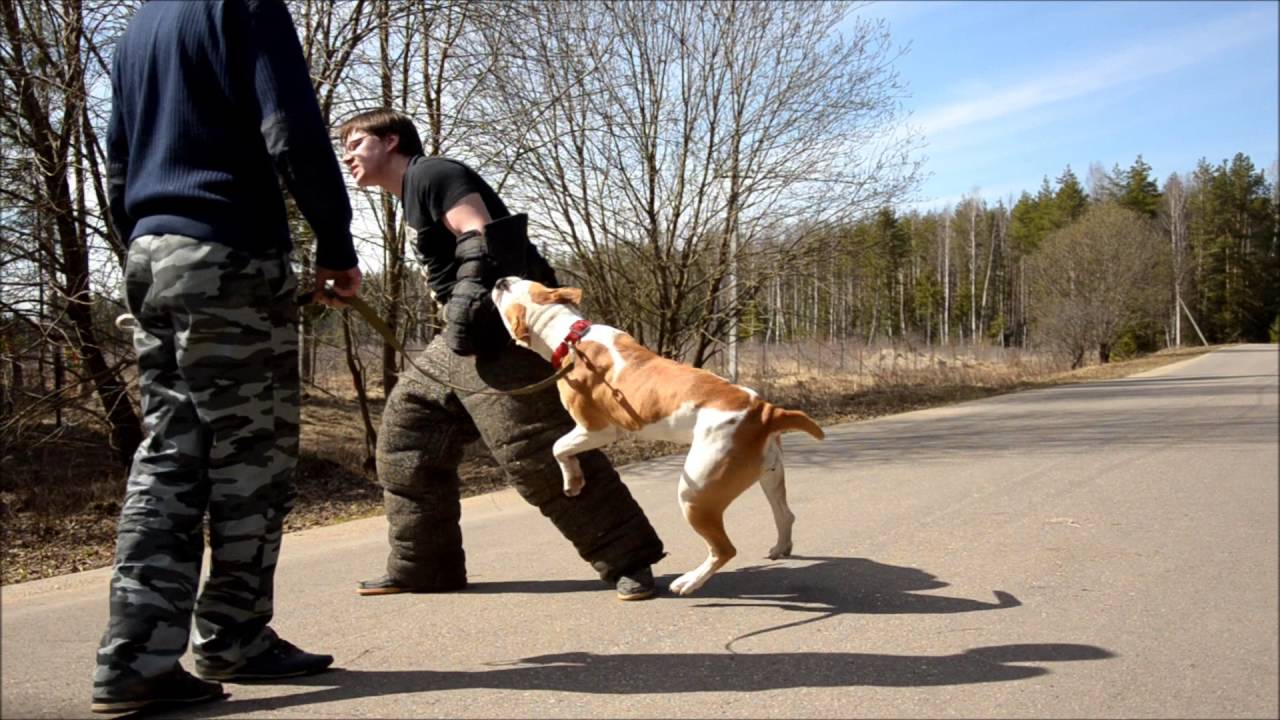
1093, 276
646, 137
330, 35
49, 66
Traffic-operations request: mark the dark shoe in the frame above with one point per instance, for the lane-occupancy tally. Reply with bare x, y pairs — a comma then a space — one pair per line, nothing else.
282, 660
381, 586
176, 687
636, 585
441, 582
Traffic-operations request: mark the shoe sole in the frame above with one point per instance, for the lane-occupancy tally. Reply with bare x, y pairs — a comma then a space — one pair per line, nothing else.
381, 590
125, 706
636, 596
238, 677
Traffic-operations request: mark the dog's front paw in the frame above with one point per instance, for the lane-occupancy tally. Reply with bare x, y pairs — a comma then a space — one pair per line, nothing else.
780, 551
571, 470
573, 485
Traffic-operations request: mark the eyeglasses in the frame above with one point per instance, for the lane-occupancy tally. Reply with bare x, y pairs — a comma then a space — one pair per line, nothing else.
354, 143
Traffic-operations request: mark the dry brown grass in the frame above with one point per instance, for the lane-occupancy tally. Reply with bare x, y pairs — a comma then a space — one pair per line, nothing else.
59, 497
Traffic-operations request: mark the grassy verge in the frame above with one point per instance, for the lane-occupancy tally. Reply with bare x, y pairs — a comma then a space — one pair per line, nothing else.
59, 498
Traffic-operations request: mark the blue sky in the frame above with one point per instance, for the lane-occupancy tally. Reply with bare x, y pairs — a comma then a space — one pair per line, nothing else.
1008, 92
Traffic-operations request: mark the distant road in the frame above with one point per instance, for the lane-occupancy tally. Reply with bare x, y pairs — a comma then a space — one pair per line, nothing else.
1097, 550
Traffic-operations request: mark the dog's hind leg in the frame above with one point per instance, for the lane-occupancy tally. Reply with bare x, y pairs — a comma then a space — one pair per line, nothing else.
712, 478
773, 480
709, 523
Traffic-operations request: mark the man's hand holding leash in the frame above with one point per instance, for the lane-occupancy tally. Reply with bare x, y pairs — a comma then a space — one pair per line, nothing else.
346, 283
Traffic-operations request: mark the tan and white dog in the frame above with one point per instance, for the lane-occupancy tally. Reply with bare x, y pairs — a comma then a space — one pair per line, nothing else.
617, 386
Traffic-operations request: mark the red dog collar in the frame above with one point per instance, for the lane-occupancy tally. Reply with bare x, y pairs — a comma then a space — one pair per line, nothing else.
575, 334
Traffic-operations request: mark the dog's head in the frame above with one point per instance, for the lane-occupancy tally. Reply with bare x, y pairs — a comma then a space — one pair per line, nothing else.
519, 301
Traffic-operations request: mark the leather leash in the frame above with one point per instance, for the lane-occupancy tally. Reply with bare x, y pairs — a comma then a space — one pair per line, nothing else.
359, 305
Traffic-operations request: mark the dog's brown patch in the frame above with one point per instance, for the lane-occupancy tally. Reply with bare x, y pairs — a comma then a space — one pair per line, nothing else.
516, 320
543, 295
648, 389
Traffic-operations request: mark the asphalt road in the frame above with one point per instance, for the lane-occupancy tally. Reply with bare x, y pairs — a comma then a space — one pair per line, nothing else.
1099, 550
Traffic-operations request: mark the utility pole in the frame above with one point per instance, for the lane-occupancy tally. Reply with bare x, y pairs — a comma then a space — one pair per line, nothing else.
1193, 321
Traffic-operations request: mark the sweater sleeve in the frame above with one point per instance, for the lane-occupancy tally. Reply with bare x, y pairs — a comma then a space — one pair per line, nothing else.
295, 133
118, 172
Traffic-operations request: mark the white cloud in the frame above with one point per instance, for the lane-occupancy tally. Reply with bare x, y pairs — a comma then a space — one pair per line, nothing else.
1149, 58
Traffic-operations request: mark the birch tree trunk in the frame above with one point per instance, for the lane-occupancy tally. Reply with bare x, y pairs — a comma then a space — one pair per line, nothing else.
973, 268
1175, 220
997, 230
945, 278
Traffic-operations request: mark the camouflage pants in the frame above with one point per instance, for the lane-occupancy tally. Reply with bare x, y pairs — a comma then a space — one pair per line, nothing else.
216, 342
425, 427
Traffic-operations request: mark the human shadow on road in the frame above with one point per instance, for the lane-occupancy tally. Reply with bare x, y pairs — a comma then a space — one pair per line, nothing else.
666, 673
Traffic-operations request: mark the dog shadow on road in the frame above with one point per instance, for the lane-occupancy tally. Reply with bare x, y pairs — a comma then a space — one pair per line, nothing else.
821, 588
840, 585
816, 587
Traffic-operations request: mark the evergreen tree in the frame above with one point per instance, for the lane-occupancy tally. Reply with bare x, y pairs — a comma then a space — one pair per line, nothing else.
1232, 239
1070, 201
1249, 216
1139, 191
1032, 220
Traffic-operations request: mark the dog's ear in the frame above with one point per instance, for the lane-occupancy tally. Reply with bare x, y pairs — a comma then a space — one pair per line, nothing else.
563, 296
515, 315
567, 295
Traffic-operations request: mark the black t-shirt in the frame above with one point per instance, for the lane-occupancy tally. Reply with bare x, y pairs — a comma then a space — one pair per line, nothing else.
431, 187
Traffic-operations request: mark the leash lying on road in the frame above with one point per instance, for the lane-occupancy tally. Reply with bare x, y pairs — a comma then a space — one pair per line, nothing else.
359, 305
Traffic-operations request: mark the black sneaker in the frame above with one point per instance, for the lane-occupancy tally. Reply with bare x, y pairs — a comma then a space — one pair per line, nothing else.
176, 687
282, 660
635, 585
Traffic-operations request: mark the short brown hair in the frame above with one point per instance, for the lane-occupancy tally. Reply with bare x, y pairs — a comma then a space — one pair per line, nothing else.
383, 122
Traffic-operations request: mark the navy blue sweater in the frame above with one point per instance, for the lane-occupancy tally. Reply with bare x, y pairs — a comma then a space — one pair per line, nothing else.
212, 105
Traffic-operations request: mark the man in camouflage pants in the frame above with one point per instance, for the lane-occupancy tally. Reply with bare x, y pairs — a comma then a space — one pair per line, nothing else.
210, 101
226, 370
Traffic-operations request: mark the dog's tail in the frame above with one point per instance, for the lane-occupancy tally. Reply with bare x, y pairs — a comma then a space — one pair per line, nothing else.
779, 420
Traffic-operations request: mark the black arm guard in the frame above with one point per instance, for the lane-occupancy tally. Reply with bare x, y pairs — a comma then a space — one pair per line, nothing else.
474, 260
473, 326
472, 323
509, 252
